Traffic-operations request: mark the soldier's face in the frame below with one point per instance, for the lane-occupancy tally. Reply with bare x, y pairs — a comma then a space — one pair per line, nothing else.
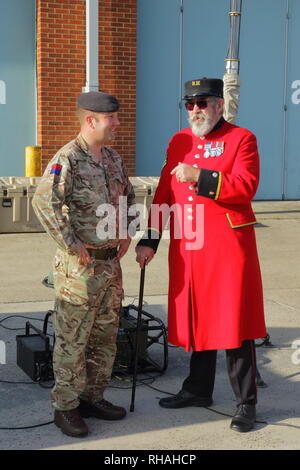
105, 126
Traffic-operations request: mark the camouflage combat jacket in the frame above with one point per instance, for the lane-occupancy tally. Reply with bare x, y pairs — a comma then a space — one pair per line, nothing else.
74, 188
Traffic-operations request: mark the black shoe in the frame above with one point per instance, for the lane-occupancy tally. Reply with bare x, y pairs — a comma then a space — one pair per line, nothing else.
102, 410
183, 399
70, 423
244, 418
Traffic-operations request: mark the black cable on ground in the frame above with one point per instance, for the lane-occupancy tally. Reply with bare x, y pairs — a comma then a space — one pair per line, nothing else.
265, 343
27, 427
18, 383
19, 316
216, 411
143, 382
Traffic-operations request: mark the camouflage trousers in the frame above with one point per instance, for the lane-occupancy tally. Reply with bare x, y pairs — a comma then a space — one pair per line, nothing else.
86, 320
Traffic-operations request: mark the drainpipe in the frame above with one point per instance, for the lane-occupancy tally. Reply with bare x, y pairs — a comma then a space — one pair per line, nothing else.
92, 46
232, 64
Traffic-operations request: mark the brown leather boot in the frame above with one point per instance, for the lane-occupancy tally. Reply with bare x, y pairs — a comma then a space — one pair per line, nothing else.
101, 410
70, 423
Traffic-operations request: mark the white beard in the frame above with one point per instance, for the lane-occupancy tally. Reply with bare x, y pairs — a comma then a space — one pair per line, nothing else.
202, 127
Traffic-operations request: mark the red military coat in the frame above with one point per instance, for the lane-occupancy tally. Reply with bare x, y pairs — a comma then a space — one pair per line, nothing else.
215, 289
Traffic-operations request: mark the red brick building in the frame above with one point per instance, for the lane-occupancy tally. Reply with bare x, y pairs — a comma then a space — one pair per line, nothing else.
61, 70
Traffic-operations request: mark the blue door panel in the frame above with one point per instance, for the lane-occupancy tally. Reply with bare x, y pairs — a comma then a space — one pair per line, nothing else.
262, 72
174, 47
205, 40
158, 90
292, 160
17, 84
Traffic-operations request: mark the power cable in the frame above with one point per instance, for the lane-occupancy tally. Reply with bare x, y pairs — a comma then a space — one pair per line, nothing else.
27, 427
19, 316
217, 411
265, 343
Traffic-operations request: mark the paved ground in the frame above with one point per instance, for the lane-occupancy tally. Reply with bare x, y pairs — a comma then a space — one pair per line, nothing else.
24, 261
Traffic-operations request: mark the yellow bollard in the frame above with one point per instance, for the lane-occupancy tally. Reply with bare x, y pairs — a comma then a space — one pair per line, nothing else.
33, 160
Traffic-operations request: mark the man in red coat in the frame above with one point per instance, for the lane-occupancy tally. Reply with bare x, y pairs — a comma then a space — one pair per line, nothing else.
215, 297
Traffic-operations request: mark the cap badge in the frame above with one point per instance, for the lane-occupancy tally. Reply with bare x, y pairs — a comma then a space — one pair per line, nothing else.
196, 82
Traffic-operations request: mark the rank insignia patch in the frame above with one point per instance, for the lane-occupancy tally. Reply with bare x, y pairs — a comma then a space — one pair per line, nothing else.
213, 149
56, 168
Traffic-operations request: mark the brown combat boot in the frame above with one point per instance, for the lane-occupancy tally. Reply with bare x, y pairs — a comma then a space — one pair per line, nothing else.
101, 410
70, 423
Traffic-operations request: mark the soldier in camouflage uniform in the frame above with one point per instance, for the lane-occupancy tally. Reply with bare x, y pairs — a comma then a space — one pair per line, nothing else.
84, 176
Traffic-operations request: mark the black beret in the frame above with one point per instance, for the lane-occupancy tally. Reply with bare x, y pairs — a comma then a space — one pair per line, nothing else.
98, 102
204, 87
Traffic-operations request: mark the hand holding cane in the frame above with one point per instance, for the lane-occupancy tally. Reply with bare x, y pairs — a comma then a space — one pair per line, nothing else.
138, 328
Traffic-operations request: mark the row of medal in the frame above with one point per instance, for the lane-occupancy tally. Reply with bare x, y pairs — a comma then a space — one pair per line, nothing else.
213, 149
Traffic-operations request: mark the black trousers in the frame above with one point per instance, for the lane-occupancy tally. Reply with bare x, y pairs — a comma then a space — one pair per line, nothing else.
241, 366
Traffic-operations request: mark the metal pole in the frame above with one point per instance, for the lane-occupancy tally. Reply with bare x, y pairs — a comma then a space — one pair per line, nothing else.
285, 136
232, 63
92, 46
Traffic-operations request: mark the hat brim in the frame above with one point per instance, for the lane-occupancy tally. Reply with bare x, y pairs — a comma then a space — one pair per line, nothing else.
201, 95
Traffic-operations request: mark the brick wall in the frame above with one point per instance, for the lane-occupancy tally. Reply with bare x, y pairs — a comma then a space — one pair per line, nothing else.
61, 70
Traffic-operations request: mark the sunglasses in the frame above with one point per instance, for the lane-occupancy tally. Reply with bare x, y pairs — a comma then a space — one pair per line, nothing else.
201, 104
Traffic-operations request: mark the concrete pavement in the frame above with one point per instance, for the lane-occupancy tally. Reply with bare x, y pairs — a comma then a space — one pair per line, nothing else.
26, 260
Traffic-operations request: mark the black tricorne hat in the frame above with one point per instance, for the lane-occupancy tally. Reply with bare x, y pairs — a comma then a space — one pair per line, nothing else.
98, 102
203, 87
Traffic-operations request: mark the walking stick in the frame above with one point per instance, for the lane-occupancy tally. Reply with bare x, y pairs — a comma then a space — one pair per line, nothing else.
138, 328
